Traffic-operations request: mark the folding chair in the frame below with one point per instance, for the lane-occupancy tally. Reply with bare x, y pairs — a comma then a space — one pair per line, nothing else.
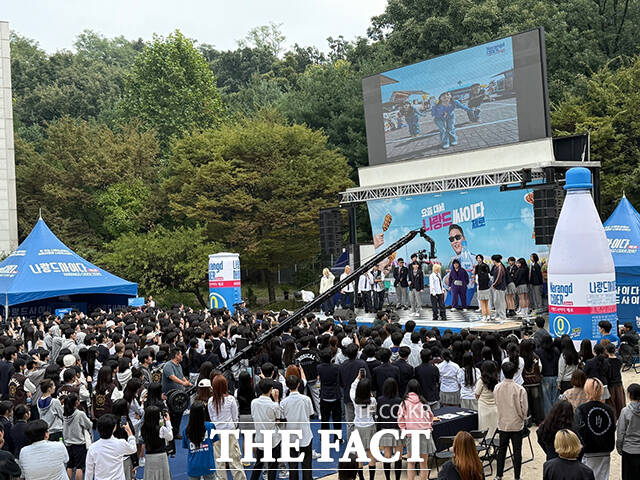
526, 434
483, 447
491, 453
443, 451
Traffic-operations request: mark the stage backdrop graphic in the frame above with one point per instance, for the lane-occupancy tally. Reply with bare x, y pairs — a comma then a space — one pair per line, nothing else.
224, 280
463, 223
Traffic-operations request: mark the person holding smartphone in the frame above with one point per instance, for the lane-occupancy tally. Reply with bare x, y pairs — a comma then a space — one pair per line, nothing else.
156, 432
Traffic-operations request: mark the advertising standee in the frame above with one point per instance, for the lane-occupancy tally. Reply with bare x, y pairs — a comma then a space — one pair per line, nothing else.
224, 281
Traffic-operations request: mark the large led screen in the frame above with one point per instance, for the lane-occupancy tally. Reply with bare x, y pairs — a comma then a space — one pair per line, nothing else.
484, 96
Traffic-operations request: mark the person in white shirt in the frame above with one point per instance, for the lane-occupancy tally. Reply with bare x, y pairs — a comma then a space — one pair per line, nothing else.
297, 410
437, 291
515, 358
364, 421
347, 300
105, 457
449, 388
266, 414
223, 411
364, 289
468, 377
416, 348
43, 460
378, 288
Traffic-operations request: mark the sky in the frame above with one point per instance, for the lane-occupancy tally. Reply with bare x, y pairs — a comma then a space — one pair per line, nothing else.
55, 23
477, 64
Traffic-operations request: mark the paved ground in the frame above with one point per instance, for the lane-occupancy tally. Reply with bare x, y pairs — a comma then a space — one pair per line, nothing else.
498, 125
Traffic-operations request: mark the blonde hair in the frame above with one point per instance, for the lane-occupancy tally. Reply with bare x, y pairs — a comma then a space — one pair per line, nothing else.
567, 444
437, 268
347, 268
593, 389
325, 270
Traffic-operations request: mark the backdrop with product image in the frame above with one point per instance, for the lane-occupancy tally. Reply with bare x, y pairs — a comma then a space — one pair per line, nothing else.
487, 95
462, 223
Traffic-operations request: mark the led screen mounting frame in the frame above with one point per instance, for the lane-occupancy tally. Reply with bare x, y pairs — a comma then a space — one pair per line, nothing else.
479, 97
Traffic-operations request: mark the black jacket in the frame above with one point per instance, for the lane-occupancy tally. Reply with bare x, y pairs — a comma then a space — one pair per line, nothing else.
549, 360
387, 411
381, 373
348, 373
329, 374
563, 469
9, 468
429, 377
596, 425
400, 277
416, 279
535, 274
406, 374
521, 276
18, 437
8, 442
597, 368
6, 372
448, 472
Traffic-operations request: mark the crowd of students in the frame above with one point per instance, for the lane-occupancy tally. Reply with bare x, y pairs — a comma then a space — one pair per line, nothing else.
63, 379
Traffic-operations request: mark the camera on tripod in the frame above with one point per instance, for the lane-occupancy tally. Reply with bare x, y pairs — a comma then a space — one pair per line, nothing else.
422, 254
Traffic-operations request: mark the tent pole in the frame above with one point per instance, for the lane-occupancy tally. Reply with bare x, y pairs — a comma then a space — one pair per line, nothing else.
6, 307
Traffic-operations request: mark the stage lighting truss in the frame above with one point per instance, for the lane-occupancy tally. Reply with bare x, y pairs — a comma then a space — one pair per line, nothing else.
377, 192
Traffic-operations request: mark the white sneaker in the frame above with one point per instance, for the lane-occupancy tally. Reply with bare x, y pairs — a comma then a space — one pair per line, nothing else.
417, 314
315, 454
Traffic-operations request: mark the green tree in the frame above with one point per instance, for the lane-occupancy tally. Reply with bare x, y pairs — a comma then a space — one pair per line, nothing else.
329, 97
235, 68
84, 84
123, 206
265, 37
580, 34
74, 170
258, 184
171, 89
162, 260
608, 106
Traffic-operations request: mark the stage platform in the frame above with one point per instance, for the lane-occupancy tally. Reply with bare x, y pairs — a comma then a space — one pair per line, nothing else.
456, 320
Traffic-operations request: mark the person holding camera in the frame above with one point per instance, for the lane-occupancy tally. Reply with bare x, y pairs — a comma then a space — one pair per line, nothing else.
156, 432
266, 414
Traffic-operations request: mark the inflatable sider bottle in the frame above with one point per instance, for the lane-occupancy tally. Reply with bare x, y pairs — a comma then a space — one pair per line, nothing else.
581, 275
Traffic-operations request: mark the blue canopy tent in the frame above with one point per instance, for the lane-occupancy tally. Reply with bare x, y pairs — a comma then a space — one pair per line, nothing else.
623, 231
43, 274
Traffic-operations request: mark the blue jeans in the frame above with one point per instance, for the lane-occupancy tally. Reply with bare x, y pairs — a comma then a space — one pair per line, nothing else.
549, 393
447, 127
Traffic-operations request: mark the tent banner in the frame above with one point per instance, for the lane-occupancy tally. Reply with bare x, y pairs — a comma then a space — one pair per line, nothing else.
136, 302
628, 300
463, 223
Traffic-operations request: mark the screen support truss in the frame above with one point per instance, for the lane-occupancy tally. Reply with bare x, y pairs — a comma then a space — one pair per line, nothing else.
377, 192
